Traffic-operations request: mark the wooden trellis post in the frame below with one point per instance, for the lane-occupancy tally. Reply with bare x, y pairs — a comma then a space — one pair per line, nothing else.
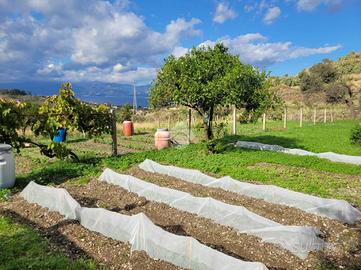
301, 116
285, 118
264, 122
331, 114
234, 120
314, 115
114, 133
325, 115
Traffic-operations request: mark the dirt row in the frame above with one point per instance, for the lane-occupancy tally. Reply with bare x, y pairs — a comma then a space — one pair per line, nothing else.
345, 239
224, 239
73, 240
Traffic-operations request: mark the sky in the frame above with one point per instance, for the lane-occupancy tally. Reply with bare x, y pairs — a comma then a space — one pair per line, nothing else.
126, 41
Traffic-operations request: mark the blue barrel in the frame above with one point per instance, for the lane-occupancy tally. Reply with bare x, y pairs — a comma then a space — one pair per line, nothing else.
60, 135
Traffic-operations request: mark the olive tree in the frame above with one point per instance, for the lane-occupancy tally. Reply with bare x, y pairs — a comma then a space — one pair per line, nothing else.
207, 77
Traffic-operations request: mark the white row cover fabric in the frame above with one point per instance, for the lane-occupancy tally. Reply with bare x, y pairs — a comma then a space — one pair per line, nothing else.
277, 148
139, 231
55, 199
331, 208
298, 240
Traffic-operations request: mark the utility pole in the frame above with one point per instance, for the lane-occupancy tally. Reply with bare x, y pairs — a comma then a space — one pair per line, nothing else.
135, 106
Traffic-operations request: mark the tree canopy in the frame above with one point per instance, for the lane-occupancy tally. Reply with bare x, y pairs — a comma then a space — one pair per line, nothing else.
208, 77
58, 111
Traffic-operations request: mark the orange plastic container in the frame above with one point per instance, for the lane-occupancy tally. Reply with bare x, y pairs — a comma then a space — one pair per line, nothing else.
128, 128
162, 138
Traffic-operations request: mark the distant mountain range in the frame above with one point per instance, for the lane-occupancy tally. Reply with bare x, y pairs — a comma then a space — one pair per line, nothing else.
98, 92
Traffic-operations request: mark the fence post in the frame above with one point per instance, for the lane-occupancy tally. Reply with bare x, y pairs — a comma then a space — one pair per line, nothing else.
234, 131
301, 116
285, 119
264, 122
314, 115
325, 115
114, 133
189, 125
331, 114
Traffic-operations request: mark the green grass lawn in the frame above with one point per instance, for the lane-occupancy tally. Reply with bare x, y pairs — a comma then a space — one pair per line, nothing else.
300, 173
329, 137
22, 248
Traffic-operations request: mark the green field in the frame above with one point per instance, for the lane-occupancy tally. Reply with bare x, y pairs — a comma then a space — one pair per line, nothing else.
21, 247
306, 174
329, 137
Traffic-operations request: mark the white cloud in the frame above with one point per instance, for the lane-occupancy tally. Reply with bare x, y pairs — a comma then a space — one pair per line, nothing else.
118, 67
256, 50
142, 75
309, 5
86, 36
179, 51
272, 14
223, 13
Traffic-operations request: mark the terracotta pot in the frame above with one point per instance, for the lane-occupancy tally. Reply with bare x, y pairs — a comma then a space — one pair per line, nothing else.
162, 138
128, 128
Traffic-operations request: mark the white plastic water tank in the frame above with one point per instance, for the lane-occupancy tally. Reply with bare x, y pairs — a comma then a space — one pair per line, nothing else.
7, 166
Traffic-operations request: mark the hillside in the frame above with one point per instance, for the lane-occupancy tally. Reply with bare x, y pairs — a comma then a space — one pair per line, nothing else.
329, 82
98, 92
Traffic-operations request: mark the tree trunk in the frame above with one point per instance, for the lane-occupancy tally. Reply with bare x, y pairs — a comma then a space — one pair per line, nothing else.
207, 124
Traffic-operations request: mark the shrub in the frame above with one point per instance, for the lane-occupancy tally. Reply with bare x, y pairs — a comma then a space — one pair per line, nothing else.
215, 147
356, 135
337, 92
125, 113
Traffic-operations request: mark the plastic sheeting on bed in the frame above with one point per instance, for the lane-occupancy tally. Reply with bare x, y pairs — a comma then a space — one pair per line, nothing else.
138, 230
293, 151
331, 208
299, 240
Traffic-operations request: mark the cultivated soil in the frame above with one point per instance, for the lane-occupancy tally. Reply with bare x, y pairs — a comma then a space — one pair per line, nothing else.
222, 238
344, 239
73, 240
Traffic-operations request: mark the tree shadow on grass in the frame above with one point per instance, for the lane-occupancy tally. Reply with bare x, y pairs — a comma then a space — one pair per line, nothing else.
59, 172
76, 140
227, 142
59, 241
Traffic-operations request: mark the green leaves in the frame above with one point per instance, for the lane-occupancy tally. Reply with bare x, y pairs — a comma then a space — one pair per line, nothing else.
209, 77
58, 111
10, 121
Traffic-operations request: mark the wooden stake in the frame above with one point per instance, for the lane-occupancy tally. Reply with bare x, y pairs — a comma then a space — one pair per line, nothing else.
285, 119
264, 122
114, 134
234, 131
331, 114
301, 117
314, 115
189, 125
325, 115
